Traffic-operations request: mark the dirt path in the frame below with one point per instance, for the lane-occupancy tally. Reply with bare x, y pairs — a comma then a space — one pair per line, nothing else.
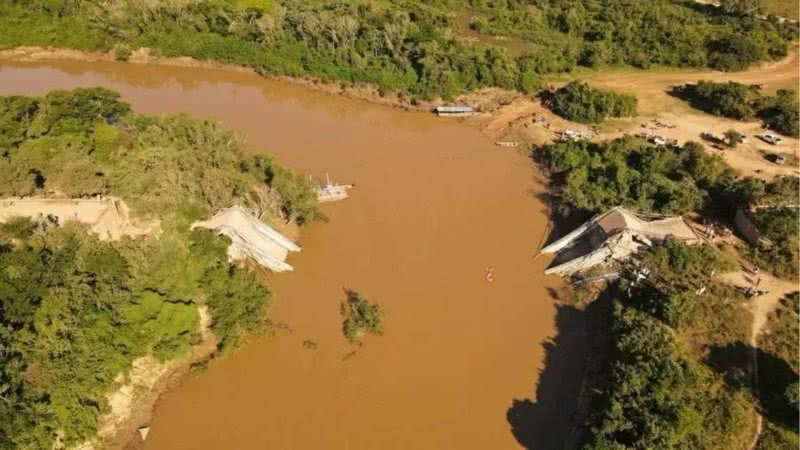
760, 307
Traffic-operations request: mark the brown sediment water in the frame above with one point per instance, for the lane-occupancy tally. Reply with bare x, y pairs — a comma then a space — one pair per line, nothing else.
435, 204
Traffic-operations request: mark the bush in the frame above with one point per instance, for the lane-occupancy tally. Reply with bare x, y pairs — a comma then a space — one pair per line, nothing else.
779, 226
360, 317
579, 102
122, 52
731, 99
19, 227
782, 113
745, 102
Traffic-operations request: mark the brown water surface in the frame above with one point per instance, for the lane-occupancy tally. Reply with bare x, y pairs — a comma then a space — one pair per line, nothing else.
435, 204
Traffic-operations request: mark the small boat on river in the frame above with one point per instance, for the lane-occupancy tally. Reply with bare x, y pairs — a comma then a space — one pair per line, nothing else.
331, 192
507, 144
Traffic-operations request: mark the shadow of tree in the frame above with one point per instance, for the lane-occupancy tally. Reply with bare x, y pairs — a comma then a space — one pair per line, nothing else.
548, 420
775, 376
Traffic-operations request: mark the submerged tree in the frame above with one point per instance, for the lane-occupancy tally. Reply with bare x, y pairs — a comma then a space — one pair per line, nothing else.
360, 317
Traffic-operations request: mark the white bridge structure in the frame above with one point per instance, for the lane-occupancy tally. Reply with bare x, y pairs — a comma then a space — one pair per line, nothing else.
251, 238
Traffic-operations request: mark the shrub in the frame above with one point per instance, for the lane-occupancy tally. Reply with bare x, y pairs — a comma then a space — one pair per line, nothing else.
122, 52
579, 102
19, 227
360, 317
779, 226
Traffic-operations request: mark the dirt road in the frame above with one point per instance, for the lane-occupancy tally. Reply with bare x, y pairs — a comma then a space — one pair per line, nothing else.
524, 118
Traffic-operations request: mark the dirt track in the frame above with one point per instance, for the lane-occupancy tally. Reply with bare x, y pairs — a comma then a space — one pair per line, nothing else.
513, 120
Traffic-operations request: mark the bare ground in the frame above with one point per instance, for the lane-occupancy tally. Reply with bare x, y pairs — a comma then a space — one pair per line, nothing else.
109, 217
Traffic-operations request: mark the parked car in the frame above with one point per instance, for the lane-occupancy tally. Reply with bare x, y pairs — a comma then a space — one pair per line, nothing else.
771, 139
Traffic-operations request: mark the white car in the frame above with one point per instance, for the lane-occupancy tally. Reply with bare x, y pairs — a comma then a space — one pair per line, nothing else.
770, 138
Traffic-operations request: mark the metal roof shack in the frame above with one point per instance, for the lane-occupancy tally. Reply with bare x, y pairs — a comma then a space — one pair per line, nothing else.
454, 111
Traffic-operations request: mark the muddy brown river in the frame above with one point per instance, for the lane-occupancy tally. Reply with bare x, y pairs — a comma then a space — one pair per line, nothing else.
463, 364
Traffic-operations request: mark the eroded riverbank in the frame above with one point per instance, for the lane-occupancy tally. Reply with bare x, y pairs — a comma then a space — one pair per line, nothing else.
435, 204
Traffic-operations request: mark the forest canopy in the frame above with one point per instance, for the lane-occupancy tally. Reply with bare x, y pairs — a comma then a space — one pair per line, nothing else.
75, 311
593, 177
663, 389
432, 48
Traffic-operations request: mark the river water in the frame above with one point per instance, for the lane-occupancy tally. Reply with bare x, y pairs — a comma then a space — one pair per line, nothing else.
462, 362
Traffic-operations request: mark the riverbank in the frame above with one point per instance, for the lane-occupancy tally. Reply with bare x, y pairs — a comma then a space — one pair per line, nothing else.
146, 56
132, 403
506, 115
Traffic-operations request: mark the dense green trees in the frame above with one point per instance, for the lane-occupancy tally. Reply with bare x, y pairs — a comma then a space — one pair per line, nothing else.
76, 311
745, 102
632, 172
579, 102
660, 392
411, 46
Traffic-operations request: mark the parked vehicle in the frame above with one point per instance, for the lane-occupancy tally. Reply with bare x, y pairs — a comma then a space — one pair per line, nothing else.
771, 139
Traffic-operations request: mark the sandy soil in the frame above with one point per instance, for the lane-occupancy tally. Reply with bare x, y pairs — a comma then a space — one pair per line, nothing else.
109, 217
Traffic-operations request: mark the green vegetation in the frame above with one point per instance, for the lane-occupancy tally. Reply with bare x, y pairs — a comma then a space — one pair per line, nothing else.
745, 102
410, 46
85, 142
76, 311
733, 137
122, 52
780, 227
360, 317
780, 192
579, 102
665, 387
593, 177
776, 217
779, 370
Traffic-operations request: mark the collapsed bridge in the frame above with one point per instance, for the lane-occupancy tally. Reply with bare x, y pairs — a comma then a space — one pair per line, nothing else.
613, 235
